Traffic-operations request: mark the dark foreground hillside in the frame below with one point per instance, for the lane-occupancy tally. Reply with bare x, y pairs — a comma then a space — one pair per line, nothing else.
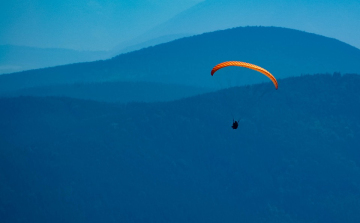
294, 158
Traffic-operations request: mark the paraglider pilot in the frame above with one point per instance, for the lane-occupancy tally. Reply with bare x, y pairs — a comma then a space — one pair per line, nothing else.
235, 124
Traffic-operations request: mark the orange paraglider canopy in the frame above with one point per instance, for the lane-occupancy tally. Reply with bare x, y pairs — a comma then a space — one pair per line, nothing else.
247, 65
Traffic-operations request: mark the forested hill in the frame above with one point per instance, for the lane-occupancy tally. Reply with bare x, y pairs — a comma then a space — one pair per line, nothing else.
294, 158
284, 52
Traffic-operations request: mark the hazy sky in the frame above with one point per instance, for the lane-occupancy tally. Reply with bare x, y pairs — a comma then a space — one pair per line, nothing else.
103, 24
82, 24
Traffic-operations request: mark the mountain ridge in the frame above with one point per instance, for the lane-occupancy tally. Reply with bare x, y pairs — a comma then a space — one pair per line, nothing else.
188, 61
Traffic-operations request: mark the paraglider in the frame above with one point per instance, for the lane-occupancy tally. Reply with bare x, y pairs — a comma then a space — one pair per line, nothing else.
235, 124
247, 65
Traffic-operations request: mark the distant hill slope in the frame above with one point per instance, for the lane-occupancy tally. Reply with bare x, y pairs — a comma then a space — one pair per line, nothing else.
114, 91
294, 158
188, 61
20, 58
133, 45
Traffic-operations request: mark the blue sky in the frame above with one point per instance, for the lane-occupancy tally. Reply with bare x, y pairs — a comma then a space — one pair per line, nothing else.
103, 24
82, 24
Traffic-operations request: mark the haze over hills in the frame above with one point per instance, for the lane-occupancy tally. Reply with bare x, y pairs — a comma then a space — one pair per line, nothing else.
188, 61
337, 19
20, 58
37, 30
294, 157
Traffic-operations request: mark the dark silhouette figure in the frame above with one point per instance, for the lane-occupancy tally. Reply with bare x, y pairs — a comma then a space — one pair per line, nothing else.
235, 124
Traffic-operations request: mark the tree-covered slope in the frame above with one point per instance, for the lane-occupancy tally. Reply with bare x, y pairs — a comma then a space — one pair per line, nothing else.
294, 157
